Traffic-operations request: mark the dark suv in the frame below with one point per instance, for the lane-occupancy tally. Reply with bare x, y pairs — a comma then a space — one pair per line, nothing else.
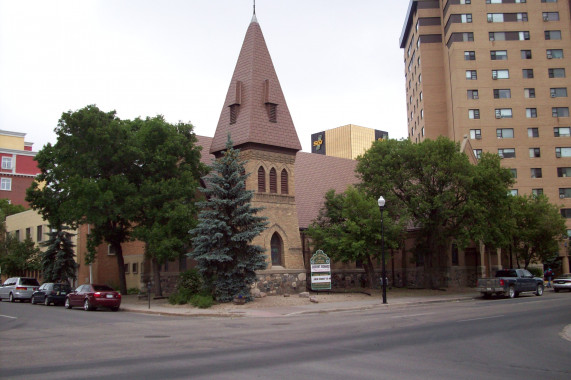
50, 293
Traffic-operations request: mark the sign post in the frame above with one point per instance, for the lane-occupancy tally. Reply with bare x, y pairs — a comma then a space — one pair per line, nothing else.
320, 271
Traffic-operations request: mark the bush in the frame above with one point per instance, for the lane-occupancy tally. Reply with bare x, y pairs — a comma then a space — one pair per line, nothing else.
133, 291
202, 301
191, 280
537, 272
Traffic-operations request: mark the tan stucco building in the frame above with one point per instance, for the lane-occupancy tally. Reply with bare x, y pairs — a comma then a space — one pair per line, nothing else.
498, 72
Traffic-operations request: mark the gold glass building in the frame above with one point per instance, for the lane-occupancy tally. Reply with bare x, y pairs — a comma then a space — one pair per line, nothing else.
348, 141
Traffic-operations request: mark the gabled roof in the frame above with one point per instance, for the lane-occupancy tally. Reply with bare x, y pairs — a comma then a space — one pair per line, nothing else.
255, 99
315, 174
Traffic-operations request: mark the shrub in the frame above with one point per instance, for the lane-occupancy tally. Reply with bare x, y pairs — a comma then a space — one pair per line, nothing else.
537, 272
191, 280
202, 301
180, 297
133, 291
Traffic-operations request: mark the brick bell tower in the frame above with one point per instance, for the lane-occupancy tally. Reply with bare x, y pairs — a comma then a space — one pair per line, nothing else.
256, 116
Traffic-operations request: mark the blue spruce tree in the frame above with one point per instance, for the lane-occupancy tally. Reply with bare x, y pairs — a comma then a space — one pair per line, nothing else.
227, 224
58, 264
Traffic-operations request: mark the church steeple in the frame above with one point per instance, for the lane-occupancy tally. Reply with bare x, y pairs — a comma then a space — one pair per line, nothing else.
255, 112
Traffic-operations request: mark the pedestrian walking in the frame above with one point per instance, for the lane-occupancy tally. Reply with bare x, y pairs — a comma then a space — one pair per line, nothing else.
548, 275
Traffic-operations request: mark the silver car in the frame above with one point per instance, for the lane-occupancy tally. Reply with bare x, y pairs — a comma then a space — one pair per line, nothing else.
18, 288
562, 282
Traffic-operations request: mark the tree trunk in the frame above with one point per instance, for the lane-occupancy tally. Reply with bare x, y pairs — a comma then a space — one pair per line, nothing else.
370, 272
120, 267
157, 277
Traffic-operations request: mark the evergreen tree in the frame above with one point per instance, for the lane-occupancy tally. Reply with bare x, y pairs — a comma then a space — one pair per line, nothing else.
58, 260
226, 227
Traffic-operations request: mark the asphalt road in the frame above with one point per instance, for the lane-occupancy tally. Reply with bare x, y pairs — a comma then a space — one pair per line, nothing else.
477, 339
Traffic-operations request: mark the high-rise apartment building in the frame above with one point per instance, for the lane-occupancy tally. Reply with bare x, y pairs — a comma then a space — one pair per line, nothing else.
499, 72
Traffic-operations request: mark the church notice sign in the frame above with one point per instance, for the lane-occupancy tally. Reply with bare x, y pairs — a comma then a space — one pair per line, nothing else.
320, 271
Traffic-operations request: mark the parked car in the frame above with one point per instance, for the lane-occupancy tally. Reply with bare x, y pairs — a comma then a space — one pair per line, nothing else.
18, 288
562, 282
50, 293
510, 282
91, 296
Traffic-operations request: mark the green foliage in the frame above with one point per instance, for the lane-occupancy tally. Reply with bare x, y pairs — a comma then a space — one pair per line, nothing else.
227, 225
7, 209
58, 263
538, 228
348, 229
445, 195
191, 280
181, 296
202, 301
132, 291
537, 272
125, 178
18, 256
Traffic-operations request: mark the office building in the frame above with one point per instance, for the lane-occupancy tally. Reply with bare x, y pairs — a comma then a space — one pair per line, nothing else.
348, 141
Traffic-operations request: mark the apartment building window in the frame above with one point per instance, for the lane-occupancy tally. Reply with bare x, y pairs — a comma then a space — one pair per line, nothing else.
566, 212
526, 54
473, 94
476, 134
466, 18
536, 192
533, 132
563, 172
550, 16
558, 92
506, 153
536, 173
504, 1
507, 17
467, 1
474, 114
531, 113
471, 74
419, 78
556, 73
469, 55
562, 152
17, 235
126, 266
39, 234
565, 192
503, 113
495, 17
478, 153
527, 73
552, 34
524, 36
500, 74
513, 173
562, 132
560, 111
513, 192
502, 93
422, 132
498, 55
111, 251
7, 163
135, 267
534, 152
420, 95
548, 1
529, 93
554, 53
505, 133
6, 184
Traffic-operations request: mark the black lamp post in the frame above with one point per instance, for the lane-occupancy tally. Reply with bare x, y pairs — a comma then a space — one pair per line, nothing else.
381, 203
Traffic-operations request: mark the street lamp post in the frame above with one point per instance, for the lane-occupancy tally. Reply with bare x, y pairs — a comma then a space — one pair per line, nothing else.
381, 203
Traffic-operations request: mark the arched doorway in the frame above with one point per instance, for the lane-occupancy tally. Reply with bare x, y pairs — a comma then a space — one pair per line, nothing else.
277, 249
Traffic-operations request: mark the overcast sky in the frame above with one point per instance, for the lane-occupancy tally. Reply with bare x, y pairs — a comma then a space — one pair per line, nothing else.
338, 61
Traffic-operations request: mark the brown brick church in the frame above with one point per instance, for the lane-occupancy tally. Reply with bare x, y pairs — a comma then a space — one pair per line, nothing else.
287, 183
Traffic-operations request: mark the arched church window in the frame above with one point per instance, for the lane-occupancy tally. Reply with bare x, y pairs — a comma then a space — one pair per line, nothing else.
285, 189
277, 247
273, 181
261, 180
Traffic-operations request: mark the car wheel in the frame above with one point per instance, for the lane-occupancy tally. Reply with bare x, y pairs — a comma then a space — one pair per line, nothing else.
115, 308
46, 301
511, 292
33, 300
539, 290
11, 298
87, 305
486, 295
67, 304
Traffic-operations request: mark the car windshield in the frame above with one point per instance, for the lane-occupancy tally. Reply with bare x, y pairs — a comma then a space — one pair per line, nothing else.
29, 281
102, 288
567, 275
506, 273
62, 287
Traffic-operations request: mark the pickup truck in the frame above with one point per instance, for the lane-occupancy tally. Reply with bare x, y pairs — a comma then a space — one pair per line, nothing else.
510, 283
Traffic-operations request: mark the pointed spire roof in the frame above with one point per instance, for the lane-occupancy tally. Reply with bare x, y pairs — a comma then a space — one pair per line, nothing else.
255, 110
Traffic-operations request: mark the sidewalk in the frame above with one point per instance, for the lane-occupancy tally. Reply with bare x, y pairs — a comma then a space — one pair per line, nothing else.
279, 306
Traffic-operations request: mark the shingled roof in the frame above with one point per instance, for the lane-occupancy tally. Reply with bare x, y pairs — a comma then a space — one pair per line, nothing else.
255, 110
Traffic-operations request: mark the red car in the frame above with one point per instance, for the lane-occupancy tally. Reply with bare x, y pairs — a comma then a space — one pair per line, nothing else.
91, 296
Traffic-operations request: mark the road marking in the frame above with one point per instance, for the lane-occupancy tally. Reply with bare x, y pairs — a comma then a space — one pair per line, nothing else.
479, 319
7, 316
410, 315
